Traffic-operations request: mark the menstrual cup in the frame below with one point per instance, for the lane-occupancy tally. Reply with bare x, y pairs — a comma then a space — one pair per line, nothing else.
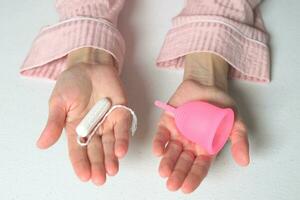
202, 123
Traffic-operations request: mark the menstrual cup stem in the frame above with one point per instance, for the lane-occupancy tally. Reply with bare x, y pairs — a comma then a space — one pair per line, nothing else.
165, 107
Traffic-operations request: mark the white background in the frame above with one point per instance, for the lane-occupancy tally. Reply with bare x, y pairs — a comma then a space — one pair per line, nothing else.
272, 112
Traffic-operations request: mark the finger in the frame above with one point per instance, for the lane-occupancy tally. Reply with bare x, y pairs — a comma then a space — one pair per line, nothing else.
96, 157
240, 143
182, 167
54, 126
78, 156
169, 159
197, 173
122, 130
159, 142
110, 159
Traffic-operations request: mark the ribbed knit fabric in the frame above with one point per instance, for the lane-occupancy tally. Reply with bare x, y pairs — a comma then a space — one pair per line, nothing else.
83, 23
232, 29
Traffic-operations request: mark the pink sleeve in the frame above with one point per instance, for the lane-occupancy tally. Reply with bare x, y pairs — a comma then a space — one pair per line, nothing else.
83, 23
232, 29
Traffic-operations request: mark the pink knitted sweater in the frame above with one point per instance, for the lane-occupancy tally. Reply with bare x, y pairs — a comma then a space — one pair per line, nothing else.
232, 29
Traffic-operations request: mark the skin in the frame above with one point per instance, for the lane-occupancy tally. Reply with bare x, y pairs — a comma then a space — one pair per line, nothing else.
183, 163
91, 75
87, 79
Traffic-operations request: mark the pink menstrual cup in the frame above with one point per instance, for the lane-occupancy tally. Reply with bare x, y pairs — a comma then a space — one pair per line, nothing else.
202, 123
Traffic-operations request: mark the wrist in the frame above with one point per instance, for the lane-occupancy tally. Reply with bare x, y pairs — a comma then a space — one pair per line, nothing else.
207, 69
90, 56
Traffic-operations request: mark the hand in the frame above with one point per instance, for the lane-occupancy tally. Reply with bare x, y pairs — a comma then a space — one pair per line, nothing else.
184, 163
77, 89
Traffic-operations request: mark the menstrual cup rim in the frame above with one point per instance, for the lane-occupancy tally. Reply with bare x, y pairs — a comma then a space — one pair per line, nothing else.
214, 149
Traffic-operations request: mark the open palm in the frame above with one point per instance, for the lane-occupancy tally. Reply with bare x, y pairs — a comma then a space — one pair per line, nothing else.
184, 163
76, 91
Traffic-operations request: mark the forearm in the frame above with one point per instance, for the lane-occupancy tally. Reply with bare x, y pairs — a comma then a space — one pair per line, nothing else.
207, 69
90, 56
83, 23
106, 10
211, 26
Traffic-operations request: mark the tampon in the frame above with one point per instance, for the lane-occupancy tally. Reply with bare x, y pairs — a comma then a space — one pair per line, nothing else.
93, 117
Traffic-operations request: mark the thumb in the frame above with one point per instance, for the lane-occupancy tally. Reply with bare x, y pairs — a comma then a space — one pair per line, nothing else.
240, 143
54, 126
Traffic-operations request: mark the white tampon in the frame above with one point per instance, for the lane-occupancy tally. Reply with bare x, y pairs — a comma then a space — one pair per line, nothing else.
93, 117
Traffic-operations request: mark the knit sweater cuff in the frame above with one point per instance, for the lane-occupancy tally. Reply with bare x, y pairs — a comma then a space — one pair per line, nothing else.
47, 56
244, 47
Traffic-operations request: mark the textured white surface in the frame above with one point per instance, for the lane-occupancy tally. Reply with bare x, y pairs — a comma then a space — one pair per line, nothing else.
93, 117
271, 111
